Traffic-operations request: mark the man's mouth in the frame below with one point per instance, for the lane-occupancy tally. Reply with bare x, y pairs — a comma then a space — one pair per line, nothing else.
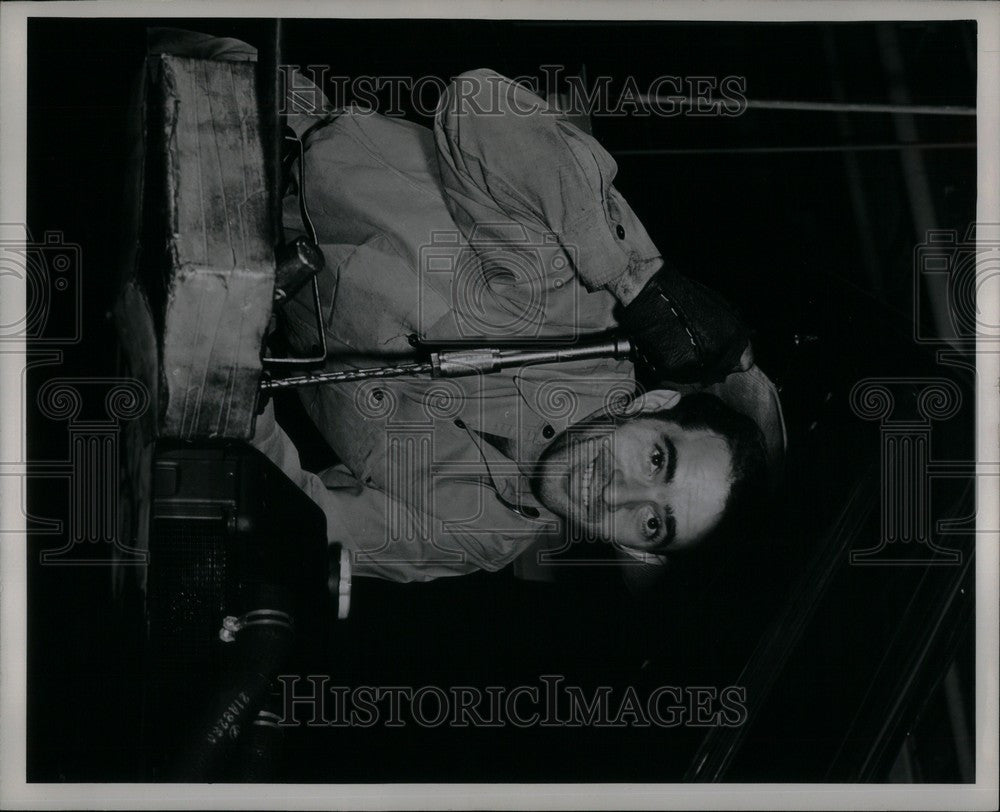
588, 476
591, 478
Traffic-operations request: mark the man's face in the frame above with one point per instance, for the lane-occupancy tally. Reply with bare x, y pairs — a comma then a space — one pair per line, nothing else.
646, 483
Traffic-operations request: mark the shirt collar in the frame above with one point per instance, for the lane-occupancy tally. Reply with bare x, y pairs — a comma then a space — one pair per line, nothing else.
510, 478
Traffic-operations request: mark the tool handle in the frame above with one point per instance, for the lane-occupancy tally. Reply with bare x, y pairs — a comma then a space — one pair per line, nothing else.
485, 360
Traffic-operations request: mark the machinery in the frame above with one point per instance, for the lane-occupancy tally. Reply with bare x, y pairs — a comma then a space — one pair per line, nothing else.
241, 583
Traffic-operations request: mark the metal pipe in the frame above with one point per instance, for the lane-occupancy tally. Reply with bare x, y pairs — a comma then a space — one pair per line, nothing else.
895, 147
820, 107
852, 168
959, 727
915, 175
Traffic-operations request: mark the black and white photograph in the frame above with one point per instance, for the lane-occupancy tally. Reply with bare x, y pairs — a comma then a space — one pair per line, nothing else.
499, 405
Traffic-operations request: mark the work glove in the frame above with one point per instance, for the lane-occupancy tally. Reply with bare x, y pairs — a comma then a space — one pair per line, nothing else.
684, 332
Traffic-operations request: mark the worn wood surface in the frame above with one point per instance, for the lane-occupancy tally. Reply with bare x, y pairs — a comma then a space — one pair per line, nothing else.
221, 257
199, 291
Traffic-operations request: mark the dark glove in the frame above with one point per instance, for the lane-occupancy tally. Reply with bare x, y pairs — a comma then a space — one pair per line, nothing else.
683, 331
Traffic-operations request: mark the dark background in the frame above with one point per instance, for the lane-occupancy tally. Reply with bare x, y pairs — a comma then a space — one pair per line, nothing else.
827, 285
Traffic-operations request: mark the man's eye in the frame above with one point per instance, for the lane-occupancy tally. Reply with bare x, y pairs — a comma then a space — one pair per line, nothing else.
657, 459
651, 526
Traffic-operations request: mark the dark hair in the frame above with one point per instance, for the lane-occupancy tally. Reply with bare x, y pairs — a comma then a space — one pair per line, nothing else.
748, 477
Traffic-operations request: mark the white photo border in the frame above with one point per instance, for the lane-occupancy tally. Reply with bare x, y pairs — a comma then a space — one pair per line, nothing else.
16, 793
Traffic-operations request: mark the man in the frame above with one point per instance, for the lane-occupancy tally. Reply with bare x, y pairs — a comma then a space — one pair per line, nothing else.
503, 223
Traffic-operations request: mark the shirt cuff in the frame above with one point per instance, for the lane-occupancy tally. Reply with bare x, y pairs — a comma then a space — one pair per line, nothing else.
608, 243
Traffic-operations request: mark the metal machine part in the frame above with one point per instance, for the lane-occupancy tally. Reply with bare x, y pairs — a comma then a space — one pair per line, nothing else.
298, 262
459, 363
242, 581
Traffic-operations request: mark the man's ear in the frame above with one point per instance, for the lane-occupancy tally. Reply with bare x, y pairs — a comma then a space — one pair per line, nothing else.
656, 400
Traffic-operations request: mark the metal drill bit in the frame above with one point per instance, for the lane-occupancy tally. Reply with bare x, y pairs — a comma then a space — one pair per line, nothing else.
321, 378
462, 363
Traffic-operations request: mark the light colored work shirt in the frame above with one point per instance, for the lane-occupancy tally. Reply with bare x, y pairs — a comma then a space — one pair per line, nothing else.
502, 223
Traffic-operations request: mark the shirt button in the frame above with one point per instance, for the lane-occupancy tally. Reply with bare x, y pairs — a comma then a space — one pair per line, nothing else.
620, 231
548, 432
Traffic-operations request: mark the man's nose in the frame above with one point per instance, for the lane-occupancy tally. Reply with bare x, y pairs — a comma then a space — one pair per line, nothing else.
621, 490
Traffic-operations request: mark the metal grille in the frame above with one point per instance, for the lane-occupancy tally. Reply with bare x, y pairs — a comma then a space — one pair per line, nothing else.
188, 591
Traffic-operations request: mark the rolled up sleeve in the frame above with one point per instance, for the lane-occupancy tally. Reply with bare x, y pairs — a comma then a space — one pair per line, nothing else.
503, 153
